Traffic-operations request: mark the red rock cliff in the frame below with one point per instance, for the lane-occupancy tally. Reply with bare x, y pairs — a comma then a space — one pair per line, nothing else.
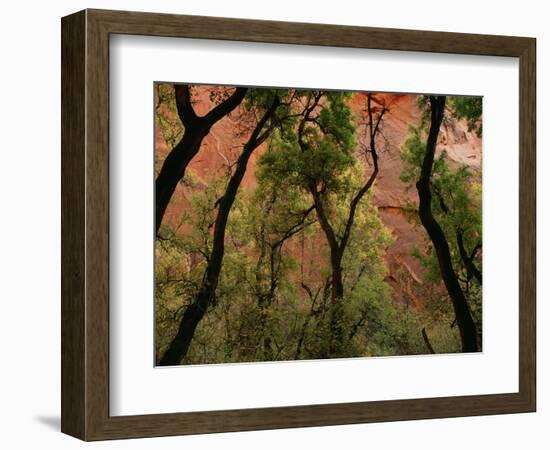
222, 145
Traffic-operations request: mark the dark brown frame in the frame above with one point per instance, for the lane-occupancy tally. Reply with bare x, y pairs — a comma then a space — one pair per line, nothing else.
85, 224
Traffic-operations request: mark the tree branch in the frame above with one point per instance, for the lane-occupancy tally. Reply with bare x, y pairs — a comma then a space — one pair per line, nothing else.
471, 268
355, 202
226, 106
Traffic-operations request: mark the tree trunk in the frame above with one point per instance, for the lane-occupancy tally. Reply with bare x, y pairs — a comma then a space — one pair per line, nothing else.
337, 278
337, 338
464, 319
173, 169
195, 130
337, 283
338, 246
179, 347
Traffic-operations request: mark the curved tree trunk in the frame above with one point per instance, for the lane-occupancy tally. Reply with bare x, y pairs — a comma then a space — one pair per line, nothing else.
464, 319
173, 169
195, 130
179, 347
338, 245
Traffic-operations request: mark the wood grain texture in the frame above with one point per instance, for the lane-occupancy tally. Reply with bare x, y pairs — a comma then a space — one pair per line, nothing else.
85, 224
73, 111
527, 223
152, 24
97, 225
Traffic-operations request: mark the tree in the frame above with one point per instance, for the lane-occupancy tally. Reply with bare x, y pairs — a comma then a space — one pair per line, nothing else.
456, 205
195, 130
193, 314
272, 217
433, 228
367, 310
321, 155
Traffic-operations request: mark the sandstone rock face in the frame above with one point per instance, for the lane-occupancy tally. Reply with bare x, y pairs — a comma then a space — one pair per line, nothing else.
221, 148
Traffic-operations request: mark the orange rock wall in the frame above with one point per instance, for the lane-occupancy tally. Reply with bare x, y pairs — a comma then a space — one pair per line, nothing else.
221, 147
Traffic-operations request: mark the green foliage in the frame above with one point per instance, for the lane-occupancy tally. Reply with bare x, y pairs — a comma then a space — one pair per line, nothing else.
456, 205
330, 143
246, 323
273, 298
412, 154
470, 109
461, 107
166, 117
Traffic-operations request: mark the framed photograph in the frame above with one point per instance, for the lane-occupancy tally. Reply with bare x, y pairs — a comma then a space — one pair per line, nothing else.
272, 225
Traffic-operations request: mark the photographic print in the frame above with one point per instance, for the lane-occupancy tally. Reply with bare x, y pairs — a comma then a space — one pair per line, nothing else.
303, 224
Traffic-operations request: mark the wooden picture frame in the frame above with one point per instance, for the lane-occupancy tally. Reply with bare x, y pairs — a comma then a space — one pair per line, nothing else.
85, 224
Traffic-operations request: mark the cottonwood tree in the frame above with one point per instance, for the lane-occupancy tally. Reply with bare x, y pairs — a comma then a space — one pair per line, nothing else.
298, 316
319, 157
434, 193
